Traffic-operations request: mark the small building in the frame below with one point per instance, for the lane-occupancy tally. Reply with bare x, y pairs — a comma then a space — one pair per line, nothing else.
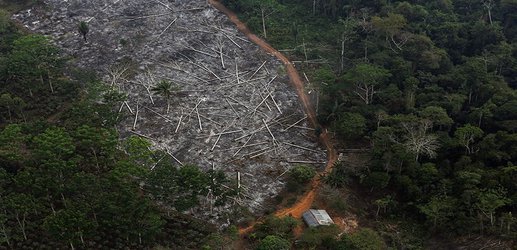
315, 217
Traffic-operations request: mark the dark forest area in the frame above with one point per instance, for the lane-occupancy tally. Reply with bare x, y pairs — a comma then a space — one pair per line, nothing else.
428, 87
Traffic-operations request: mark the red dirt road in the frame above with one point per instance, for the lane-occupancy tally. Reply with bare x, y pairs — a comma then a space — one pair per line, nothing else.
305, 202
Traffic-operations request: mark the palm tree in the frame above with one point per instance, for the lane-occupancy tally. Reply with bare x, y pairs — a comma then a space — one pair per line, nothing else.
166, 90
83, 29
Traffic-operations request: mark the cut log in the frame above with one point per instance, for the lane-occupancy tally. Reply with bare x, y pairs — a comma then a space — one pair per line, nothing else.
136, 117
205, 69
256, 71
201, 52
231, 106
141, 135
221, 53
158, 114
179, 123
294, 124
164, 5
244, 145
176, 159
199, 120
168, 26
269, 130
307, 162
300, 147
229, 38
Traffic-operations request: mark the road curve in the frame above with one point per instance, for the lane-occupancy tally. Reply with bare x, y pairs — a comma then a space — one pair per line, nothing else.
305, 202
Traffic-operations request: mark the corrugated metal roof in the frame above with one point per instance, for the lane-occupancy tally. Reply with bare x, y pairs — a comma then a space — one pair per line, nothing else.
309, 218
314, 217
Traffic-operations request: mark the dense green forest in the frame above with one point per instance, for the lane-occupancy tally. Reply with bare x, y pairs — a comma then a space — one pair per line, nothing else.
429, 87
67, 180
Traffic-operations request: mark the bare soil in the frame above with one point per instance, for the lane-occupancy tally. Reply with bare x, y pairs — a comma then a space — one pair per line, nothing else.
233, 109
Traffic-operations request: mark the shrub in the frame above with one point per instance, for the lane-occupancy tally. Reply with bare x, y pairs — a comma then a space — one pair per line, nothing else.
364, 239
350, 125
272, 242
302, 173
299, 176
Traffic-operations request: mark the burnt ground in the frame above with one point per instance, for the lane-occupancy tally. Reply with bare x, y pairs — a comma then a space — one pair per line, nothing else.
233, 109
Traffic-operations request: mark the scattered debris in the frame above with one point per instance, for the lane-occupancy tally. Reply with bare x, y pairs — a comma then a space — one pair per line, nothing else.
234, 109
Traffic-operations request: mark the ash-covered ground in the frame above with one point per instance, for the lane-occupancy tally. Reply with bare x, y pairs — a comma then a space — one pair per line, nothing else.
233, 109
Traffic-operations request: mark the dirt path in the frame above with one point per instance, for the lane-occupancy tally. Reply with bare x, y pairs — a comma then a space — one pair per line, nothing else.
305, 202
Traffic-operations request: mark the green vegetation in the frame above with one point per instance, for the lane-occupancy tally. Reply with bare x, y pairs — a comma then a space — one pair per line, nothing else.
364, 239
66, 181
166, 90
83, 29
274, 233
320, 236
281, 227
430, 85
327, 237
299, 177
272, 242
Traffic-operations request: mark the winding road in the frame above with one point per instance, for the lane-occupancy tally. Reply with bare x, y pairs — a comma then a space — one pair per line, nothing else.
305, 202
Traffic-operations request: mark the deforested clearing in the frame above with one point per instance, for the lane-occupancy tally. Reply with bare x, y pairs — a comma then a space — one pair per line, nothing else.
227, 105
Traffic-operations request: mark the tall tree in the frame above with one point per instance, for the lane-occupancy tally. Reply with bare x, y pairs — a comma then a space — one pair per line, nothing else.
70, 224
438, 209
33, 59
392, 28
20, 206
490, 200
437, 115
266, 7
366, 78
13, 104
467, 135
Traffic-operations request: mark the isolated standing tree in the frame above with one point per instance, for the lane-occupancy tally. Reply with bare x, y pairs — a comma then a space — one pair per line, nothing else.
84, 29
266, 8
166, 90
